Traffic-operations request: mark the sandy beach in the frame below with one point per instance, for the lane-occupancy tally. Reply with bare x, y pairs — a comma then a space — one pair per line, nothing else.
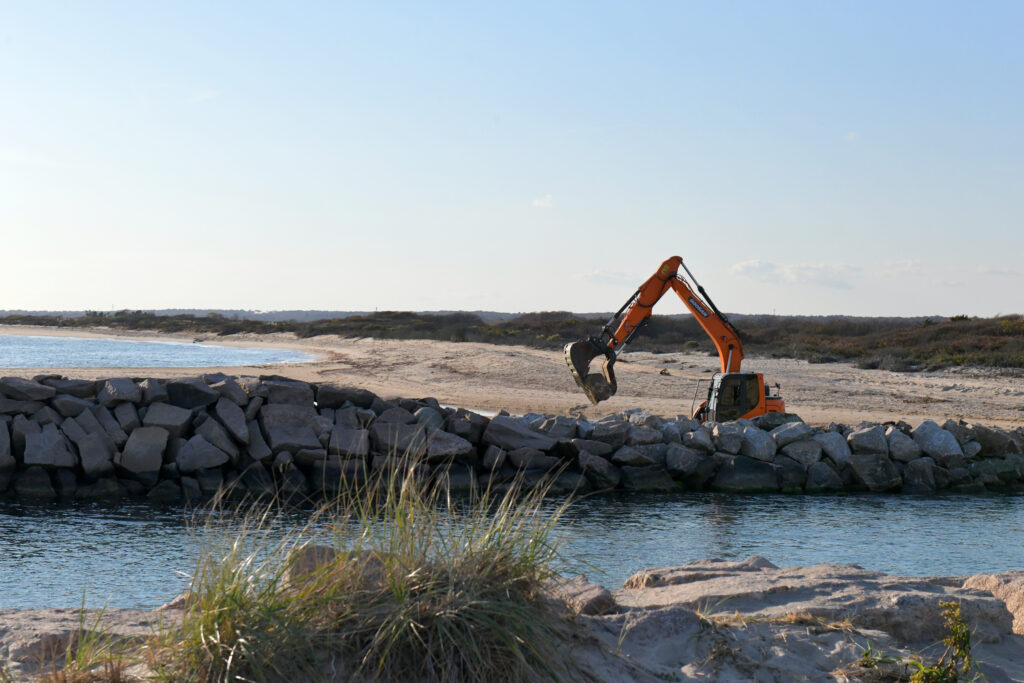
521, 379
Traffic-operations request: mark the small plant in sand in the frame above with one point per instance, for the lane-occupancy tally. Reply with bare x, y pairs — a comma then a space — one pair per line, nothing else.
393, 580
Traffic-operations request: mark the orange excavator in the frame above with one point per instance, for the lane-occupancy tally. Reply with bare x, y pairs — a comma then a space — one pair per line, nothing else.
731, 395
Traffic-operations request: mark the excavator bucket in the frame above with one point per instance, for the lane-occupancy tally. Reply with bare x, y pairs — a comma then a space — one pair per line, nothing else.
598, 386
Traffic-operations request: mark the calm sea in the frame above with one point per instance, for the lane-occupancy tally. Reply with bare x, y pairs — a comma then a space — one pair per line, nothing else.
30, 351
135, 555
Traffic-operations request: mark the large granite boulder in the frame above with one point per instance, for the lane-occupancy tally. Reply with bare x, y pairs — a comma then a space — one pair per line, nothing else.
190, 393
822, 478
612, 431
171, 418
291, 392
919, 476
199, 454
214, 432
349, 443
869, 441
231, 390
49, 448
790, 432
742, 474
25, 389
628, 456
34, 483
119, 390
599, 472
902, 448
653, 479
144, 451
641, 436
532, 459
334, 396
70, 406
97, 454
700, 439
444, 446
834, 447
232, 417
510, 434
80, 388
690, 466
288, 427
806, 452
728, 436
591, 446
257, 447
757, 444
127, 416
938, 443
397, 439
791, 474
875, 471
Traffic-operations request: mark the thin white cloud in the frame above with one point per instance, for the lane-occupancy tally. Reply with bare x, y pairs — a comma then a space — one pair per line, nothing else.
851, 136
831, 275
545, 202
203, 96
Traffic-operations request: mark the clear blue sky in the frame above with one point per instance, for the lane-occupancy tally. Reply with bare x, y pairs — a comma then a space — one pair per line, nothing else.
803, 157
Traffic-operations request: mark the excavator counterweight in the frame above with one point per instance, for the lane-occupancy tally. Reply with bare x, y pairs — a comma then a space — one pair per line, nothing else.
730, 391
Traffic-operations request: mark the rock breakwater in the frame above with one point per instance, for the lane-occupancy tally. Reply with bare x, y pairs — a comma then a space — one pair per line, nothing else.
186, 439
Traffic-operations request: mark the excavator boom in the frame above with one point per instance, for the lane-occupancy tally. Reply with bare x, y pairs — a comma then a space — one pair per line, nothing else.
634, 314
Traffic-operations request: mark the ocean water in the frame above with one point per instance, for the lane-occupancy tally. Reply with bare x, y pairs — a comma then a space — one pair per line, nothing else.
31, 351
136, 555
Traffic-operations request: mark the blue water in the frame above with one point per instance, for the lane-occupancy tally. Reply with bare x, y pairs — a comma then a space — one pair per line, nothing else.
134, 555
30, 351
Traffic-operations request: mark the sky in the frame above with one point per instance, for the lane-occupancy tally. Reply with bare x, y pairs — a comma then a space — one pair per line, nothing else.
812, 158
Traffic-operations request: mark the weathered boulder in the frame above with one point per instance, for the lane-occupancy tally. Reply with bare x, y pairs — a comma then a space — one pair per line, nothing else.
10, 406
96, 455
771, 421
510, 434
165, 492
199, 454
396, 415
494, 459
290, 392
48, 448
431, 419
288, 427
232, 417
599, 472
875, 471
257, 480
25, 389
444, 446
901, 447
7, 459
790, 432
728, 436
334, 396
70, 406
593, 447
144, 451
119, 390
153, 391
652, 479
869, 441
398, 439
692, 467
127, 416
699, 439
349, 443
994, 442
791, 474
938, 443
559, 427
806, 452
190, 393
102, 490
834, 447
257, 448
640, 436
742, 474
821, 478
34, 483
919, 476
628, 456
612, 431
80, 388
757, 444
214, 432
467, 424
532, 459
172, 418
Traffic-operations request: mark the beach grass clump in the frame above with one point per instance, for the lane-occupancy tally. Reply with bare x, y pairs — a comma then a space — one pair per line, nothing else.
394, 580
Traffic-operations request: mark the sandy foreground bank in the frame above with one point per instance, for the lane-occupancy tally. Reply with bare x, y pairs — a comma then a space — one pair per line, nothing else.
706, 620
521, 379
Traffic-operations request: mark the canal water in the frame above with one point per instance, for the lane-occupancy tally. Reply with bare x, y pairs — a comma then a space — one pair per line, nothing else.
137, 555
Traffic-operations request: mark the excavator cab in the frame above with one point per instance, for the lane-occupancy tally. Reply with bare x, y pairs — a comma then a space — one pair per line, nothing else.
734, 395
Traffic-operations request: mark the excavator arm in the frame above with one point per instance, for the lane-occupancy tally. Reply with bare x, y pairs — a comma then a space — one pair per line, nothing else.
631, 318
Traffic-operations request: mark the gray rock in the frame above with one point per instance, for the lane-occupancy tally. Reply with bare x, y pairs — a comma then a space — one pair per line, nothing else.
153, 391
166, 492
632, 457
7, 459
430, 418
641, 436
729, 437
919, 476
289, 392
901, 447
119, 390
346, 419
790, 432
689, 465
9, 406
938, 443
559, 427
72, 430
46, 415
49, 448
144, 451
875, 471
214, 432
309, 457
742, 474
960, 431
172, 418
599, 472
996, 471
253, 409
233, 419
257, 480
397, 439
821, 478
593, 447
334, 396
509, 434
349, 443
21, 428
700, 440
791, 474
771, 421
110, 425
334, 475
467, 424
806, 452
102, 490
199, 454
127, 417
34, 483
25, 389
494, 459
869, 441
70, 406
532, 459
210, 480
612, 432
96, 455
444, 446
971, 449
653, 479
80, 388
190, 393
994, 442
757, 444
288, 427
396, 415
232, 391
834, 447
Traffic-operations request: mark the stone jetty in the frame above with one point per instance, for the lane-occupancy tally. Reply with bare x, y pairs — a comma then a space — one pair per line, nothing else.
186, 439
